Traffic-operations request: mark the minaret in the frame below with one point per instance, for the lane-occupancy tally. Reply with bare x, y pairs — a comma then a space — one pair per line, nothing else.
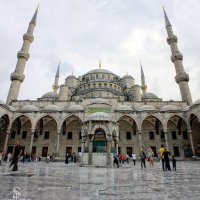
182, 78
144, 86
17, 77
55, 86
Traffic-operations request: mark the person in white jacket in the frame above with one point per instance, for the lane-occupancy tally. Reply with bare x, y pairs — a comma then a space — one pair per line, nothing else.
134, 157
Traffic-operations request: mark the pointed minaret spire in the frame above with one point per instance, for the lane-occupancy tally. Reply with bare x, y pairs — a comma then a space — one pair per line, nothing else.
167, 22
182, 78
144, 86
55, 86
17, 77
34, 18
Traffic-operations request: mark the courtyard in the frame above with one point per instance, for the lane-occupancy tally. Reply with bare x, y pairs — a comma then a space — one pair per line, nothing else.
56, 180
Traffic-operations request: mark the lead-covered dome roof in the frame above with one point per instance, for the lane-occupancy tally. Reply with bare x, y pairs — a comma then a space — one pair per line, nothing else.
149, 95
74, 108
50, 95
51, 108
197, 102
97, 71
99, 116
28, 108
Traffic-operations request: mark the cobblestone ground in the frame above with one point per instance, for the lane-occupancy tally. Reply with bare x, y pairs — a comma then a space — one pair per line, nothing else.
59, 181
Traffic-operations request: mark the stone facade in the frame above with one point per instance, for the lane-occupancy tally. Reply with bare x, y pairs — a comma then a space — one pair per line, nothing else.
100, 113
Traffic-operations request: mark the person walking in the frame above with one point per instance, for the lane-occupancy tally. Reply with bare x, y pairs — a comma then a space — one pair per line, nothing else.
134, 157
174, 163
161, 150
16, 155
166, 155
143, 158
150, 155
116, 161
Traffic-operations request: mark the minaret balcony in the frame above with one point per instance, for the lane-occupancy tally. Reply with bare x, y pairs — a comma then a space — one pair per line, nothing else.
172, 39
16, 76
177, 56
182, 77
29, 37
22, 54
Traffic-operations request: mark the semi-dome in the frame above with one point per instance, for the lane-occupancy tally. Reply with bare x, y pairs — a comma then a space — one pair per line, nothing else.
197, 102
51, 108
169, 108
75, 108
97, 71
99, 116
123, 108
127, 76
147, 108
149, 95
71, 76
28, 108
50, 95
99, 101
2, 102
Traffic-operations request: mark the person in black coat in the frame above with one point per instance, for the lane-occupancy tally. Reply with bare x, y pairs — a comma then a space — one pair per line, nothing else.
166, 155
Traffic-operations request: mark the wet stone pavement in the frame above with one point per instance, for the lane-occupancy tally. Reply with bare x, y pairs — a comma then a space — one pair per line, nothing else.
59, 181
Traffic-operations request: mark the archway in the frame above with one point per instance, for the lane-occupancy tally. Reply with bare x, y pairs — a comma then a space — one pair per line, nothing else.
128, 141
46, 136
99, 141
195, 126
4, 123
152, 134
20, 130
71, 135
178, 139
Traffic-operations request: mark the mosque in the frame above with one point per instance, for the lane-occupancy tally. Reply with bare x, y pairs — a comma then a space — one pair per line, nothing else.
100, 113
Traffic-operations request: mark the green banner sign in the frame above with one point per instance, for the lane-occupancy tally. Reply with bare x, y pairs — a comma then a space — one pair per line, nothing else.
94, 110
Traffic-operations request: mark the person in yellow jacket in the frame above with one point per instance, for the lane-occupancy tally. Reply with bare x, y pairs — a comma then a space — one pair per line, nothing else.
161, 150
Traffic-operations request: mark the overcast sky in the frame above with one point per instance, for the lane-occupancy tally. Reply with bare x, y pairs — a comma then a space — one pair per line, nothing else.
120, 33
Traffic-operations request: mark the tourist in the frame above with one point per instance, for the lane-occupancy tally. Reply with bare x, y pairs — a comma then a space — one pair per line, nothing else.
16, 155
166, 155
1, 157
9, 157
143, 158
161, 150
115, 161
127, 158
150, 155
66, 159
134, 157
174, 163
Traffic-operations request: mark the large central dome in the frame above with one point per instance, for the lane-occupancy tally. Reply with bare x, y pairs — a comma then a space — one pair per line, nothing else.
96, 71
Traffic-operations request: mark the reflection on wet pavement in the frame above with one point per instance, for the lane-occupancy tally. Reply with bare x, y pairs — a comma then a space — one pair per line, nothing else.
59, 181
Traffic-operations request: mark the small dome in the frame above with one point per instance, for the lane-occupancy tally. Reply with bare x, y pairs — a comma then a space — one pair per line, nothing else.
99, 116
75, 108
50, 95
71, 76
149, 95
197, 102
12, 108
169, 108
185, 108
146, 108
123, 108
99, 101
28, 108
127, 76
51, 108
2, 102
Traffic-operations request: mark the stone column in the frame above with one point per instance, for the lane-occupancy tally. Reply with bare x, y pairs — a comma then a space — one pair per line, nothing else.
166, 139
58, 144
108, 151
116, 146
140, 139
31, 143
90, 151
82, 150
6, 141
191, 141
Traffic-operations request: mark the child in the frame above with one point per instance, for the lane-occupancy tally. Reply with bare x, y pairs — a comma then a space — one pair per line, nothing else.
174, 163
